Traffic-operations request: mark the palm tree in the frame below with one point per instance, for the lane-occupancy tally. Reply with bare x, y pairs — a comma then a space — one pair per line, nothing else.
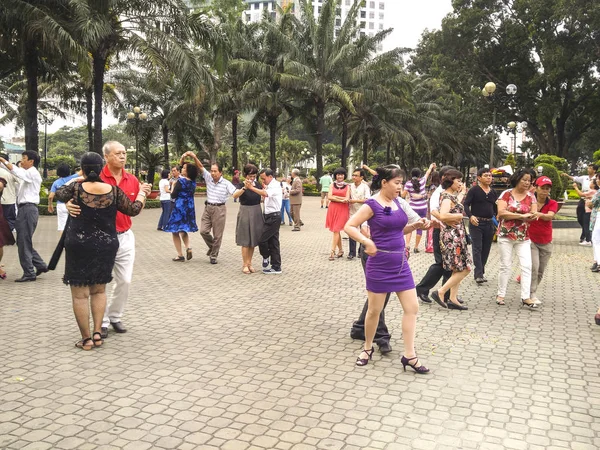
263, 93
159, 33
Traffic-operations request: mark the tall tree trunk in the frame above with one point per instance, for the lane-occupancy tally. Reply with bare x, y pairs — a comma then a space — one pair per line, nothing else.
365, 143
273, 143
344, 141
234, 135
99, 67
89, 113
388, 153
165, 135
31, 112
320, 110
412, 155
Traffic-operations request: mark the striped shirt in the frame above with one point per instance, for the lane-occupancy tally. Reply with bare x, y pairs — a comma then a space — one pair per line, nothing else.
419, 190
217, 192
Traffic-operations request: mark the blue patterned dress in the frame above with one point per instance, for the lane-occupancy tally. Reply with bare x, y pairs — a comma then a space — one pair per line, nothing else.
183, 216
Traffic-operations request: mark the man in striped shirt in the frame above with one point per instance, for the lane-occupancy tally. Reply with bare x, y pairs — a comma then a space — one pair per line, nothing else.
218, 190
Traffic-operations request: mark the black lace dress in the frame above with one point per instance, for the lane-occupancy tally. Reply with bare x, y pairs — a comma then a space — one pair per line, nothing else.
91, 242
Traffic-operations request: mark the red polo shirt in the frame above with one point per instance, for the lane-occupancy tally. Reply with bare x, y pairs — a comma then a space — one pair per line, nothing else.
131, 186
540, 231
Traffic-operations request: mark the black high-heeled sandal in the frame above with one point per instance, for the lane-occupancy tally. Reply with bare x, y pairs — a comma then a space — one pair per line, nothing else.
179, 259
364, 361
406, 362
97, 341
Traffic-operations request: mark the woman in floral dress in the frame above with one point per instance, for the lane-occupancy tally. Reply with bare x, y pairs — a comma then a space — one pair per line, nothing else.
453, 240
516, 208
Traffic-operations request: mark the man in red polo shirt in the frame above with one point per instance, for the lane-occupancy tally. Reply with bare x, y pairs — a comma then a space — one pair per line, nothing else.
114, 174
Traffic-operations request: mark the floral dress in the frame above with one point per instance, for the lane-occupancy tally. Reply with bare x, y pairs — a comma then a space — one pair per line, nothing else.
453, 240
515, 230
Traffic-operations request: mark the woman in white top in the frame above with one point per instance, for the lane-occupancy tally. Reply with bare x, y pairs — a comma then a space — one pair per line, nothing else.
165, 199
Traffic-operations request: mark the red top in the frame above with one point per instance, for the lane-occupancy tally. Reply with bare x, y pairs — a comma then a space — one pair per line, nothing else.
540, 231
131, 186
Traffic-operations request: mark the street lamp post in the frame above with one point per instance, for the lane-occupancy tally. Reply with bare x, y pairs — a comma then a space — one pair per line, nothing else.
135, 117
488, 92
516, 127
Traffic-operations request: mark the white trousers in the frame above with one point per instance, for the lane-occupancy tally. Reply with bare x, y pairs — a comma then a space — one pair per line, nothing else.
62, 214
122, 275
596, 239
523, 250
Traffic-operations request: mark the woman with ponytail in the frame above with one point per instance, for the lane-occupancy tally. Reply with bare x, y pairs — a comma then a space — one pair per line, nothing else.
91, 243
387, 270
416, 194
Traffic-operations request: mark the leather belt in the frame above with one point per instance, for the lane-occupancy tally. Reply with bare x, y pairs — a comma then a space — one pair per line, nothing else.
20, 205
483, 219
272, 214
214, 204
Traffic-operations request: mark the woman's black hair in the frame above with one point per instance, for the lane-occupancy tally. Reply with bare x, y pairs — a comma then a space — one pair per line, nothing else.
191, 171
250, 169
519, 174
340, 170
92, 164
450, 176
63, 170
435, 178
416, 179
387, 173
165, 173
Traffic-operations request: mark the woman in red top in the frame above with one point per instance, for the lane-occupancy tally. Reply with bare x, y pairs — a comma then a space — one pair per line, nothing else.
540, 233
517, 207
339, 210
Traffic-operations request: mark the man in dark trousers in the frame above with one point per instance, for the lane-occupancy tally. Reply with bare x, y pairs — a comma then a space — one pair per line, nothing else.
436, 270
480, 206
382, 335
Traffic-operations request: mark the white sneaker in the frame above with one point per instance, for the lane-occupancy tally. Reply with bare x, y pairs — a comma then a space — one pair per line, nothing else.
588, 244
582, 243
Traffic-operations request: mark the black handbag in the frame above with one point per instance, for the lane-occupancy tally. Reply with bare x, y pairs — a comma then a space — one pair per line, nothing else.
59, 248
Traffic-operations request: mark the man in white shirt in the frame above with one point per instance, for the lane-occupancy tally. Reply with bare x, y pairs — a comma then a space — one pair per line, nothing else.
9, 196
583, 218
28, 197
359, 192
269, 241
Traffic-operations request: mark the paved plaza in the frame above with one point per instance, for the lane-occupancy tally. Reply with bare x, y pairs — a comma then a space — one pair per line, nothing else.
216, 359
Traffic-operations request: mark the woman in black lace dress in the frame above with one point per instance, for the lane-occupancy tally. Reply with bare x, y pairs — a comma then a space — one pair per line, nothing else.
91, 243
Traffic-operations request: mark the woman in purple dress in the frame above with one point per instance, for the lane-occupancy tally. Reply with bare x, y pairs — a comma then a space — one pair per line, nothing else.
389, 218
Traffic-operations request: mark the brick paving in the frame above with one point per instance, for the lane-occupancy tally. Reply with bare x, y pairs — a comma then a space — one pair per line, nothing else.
215, 359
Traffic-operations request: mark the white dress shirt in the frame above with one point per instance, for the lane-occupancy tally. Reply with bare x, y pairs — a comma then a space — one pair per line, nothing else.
434, 201
29, 186
9, 195
585, 182
275, 197
360, 192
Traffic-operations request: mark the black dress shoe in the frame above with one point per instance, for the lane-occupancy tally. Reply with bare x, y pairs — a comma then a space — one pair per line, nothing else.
118, 327
23, 279
436, 297
104, 332
213, 260
424, 298
460, 300
38, 272
384, 347
452, 305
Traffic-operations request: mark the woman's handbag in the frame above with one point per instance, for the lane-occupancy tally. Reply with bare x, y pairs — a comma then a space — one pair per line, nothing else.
59, 247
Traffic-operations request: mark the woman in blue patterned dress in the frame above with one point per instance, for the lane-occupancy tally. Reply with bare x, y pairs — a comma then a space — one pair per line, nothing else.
183, 217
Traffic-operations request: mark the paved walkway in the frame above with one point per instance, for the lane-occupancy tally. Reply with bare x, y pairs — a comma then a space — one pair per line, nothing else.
215, 359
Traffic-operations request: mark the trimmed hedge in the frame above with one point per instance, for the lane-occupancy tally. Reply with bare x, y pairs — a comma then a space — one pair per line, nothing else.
551, 172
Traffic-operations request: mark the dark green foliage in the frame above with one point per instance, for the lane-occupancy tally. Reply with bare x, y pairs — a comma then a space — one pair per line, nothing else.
560, 163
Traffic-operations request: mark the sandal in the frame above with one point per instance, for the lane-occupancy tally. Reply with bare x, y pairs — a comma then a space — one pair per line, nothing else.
2, 273
340, 254
332, 256
188, 254
246, 270
251, 269
97, 341
500, 301
179, 258
85, 344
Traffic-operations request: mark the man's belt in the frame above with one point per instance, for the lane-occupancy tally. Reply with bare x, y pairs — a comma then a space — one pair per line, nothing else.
20, 205
213, 204
484, 219
272, 214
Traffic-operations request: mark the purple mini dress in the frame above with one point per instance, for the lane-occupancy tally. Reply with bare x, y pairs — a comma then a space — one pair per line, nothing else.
388, 270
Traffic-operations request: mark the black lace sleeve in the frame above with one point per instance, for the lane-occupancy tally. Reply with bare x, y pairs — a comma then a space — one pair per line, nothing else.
126, 206
65, 192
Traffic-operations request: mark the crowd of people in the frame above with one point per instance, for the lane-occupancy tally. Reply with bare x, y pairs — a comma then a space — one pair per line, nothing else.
94, 206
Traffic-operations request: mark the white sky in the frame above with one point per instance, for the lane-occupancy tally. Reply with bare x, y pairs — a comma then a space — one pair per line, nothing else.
409, 18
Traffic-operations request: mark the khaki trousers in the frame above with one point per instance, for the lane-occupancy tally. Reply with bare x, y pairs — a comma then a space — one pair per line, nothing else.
213, 218
296, 215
